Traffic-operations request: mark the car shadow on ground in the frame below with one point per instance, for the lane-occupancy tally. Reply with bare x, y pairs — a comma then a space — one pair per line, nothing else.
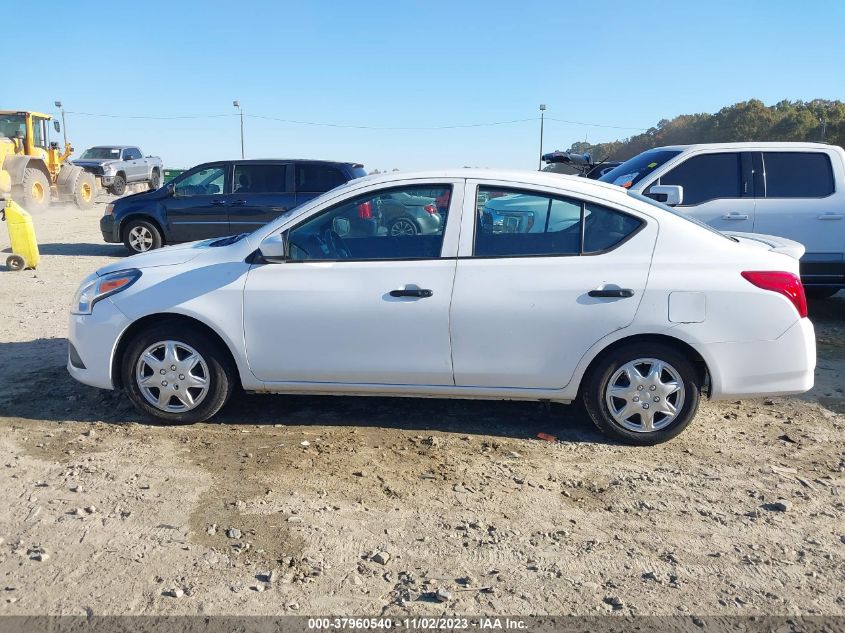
50, 394
84, 250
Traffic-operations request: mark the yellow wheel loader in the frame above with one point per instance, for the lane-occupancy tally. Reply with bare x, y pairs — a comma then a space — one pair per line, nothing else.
35, 168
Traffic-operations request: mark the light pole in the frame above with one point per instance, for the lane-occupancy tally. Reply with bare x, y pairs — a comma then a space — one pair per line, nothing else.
542, 114
64, 129
237, 104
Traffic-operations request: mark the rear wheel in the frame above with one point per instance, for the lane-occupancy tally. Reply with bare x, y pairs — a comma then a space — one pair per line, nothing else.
140, 236
402, 226
118, 185
83, 190
177, 375
642, 393
36, 194
155, 180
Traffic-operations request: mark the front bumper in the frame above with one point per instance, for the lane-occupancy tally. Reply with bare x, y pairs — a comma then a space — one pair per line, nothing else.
107, 180
108, 227
94, 338
764, 368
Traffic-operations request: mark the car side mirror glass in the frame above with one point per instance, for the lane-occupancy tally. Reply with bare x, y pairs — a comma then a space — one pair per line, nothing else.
274, 248
341, 226
671, 195
56, 126
171, 189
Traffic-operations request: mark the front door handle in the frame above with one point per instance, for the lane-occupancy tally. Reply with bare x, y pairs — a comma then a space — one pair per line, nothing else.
615, 293
217, 202
238, 203
830, 216
735, 216
420, 293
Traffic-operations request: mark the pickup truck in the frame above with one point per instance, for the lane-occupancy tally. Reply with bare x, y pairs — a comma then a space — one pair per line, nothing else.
118, 165
793, 190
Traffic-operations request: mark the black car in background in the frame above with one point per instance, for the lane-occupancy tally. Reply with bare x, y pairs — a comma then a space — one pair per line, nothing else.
220, 198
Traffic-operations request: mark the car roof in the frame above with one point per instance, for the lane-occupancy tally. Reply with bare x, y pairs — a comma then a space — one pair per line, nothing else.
113, 147
748, 145
251, 161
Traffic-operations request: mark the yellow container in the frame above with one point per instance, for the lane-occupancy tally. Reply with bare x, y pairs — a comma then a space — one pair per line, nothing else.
22, 236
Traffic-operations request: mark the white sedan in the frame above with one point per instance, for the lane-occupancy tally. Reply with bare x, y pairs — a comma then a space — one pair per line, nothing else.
632, 309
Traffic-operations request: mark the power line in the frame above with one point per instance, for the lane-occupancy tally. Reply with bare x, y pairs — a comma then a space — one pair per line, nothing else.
352, 126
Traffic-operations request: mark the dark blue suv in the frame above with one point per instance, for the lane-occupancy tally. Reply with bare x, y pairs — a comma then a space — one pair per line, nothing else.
218, 199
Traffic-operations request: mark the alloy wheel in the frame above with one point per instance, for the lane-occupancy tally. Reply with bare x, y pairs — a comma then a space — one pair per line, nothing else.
140, 238
403, 227
645, 395
172, 376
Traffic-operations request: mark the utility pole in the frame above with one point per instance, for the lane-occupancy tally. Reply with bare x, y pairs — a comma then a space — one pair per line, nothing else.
823, 121
58, 104
542, 115
237, 104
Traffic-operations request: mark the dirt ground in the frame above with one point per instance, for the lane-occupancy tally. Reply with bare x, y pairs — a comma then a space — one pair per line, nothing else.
368, 506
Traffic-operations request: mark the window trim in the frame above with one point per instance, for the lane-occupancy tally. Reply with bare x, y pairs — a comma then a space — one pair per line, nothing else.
540, 193
765, 178
374, 192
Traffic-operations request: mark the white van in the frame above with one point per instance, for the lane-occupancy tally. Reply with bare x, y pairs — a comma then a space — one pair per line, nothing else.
795, 190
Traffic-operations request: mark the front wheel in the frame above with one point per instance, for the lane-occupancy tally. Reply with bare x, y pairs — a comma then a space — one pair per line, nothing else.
118, 185
83, 190
177, 375
141, 236
642, 393
155, 180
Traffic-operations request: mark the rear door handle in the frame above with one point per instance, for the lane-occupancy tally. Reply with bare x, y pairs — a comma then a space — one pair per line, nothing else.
217, 202
735, 216
830, 216
421, 293
238, 203
616, 293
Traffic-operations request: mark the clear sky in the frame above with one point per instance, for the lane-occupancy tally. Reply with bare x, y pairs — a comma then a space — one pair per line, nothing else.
405, 64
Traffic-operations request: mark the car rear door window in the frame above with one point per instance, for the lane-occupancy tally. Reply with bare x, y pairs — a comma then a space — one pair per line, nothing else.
397, 223
258, 178
707, 177
798, 174
516, 223
316, 178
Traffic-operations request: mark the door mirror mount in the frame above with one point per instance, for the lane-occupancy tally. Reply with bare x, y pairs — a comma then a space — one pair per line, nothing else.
274, 249
671, 195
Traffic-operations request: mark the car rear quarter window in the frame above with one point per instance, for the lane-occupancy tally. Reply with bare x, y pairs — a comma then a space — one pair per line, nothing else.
521, 223
798, 174
707, 177
257, 178
316, 178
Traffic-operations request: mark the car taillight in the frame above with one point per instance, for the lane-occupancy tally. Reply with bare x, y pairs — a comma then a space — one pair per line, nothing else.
365, 210
430, 208
787, 284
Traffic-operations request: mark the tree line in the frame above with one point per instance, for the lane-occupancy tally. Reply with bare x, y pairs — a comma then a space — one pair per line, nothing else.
818, 120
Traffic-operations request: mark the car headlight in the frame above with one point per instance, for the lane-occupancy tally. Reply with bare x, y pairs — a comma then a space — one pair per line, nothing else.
91, 291
107, 169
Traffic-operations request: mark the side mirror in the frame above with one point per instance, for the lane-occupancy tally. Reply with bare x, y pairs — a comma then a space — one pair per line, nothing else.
274, 249
671, 195
56, 126
171, 189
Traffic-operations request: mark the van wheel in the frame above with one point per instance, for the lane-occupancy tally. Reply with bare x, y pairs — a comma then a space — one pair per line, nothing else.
118, 185
642, 393
140, 236
177, 375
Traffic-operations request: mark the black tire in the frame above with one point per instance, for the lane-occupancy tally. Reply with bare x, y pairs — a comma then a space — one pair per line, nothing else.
15, 262
118, 185
36, 194
84, 190
222, 376
820, 292
596, 383
139, 233
155, 180
405, 221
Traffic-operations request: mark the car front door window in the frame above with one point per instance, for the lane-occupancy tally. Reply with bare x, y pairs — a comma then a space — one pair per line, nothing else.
206, 182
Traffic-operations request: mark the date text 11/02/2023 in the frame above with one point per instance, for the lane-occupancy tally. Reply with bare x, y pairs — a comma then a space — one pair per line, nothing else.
423, 623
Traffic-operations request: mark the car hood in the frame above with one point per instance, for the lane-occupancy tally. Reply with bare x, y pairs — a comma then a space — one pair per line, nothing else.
94, 162
167, 256
770, 243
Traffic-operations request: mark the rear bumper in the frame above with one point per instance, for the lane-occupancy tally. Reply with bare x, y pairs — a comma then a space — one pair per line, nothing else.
765, 368
108, 227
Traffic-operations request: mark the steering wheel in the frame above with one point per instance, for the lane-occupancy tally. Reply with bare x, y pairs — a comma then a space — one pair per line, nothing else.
336, 245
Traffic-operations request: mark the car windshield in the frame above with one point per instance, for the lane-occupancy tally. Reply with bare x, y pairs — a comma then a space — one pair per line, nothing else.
102, 152
635, 169
680, 214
